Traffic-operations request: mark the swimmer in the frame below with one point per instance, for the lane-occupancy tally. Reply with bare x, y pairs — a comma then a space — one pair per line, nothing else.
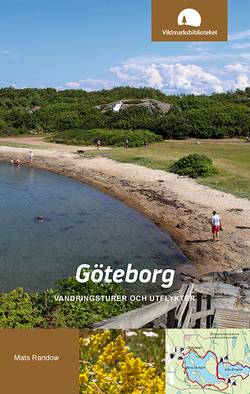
40, 219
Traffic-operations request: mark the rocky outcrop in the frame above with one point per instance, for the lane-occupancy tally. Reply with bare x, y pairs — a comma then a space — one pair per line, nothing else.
151, 105
231, 289
33, 109
239, 278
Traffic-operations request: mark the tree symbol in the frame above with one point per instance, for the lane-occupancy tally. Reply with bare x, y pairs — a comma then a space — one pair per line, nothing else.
184, 20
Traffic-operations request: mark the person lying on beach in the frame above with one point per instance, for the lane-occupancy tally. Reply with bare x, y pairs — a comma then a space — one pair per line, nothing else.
216, 226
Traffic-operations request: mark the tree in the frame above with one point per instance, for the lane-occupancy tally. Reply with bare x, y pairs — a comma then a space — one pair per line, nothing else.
184, 20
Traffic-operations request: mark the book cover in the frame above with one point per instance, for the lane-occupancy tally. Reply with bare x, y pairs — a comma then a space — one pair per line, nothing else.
124, 196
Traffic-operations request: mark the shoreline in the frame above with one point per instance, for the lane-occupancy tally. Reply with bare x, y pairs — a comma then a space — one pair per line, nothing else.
177, 205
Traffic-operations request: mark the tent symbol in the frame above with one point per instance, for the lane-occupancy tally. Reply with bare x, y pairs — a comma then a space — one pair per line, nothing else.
189, 17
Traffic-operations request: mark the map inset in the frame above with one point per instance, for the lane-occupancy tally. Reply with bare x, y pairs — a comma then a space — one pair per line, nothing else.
208, 361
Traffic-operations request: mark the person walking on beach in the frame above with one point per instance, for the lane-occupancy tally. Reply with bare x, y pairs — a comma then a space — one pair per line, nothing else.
98, 143
31, 154
216, 226
126, 143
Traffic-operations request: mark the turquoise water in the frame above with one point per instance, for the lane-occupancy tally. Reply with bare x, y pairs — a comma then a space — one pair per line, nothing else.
227, 370
83, 225
197, 371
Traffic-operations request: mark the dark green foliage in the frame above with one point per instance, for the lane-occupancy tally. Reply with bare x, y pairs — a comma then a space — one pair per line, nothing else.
107, 137
131, 119
49, 111
19, 309
194, 166
239, 97
81, 314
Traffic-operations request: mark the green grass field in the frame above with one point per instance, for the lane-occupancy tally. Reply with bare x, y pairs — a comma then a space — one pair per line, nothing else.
231, 158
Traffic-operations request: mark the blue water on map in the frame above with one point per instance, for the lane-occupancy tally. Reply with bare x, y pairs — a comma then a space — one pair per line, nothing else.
226, 370
196, 368
82, 225
234, 341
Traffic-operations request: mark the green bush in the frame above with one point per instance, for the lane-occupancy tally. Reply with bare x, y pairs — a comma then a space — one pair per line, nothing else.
223, 115
107, 137
194, 166
19, 309
80, 314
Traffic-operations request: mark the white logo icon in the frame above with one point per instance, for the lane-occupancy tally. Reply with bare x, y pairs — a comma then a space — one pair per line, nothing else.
189, 17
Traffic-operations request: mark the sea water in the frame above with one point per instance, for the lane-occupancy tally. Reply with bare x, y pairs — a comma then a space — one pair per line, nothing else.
80, 225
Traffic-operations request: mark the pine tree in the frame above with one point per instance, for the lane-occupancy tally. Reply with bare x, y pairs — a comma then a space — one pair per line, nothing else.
184, 20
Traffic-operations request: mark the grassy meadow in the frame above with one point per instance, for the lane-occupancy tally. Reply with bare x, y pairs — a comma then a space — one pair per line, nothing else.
231, 158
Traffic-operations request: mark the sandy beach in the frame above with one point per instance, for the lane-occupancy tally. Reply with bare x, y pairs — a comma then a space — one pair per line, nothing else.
178, 205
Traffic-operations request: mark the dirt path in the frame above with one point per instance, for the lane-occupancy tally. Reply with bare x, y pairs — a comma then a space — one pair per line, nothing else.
42, 143
179, 205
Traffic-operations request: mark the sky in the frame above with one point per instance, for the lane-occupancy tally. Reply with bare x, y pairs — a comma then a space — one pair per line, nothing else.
99, 44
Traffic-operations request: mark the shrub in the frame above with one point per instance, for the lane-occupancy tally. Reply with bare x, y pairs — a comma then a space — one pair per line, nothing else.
48, 110
194, 166
19, 309
107, 137
81, 314
108, 366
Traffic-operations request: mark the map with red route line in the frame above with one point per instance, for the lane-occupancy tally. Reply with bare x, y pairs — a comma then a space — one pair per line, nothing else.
208, 361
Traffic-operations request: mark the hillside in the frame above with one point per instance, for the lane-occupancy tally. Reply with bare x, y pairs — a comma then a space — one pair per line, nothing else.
50, 111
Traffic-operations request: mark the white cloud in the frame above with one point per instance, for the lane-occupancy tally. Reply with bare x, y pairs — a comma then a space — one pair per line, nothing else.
201, 46
190, 78
191, 57
172, 78
91, 84
9, 53
239, 74
237, 68
197, 72
244, 45
139, 75
245, 56
241, 82
72, 85
239, 35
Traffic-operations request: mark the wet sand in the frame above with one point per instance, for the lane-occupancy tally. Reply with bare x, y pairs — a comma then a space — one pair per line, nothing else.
177, 204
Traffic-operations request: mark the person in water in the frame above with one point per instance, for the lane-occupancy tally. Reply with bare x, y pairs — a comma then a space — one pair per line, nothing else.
216, 226
17, 162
